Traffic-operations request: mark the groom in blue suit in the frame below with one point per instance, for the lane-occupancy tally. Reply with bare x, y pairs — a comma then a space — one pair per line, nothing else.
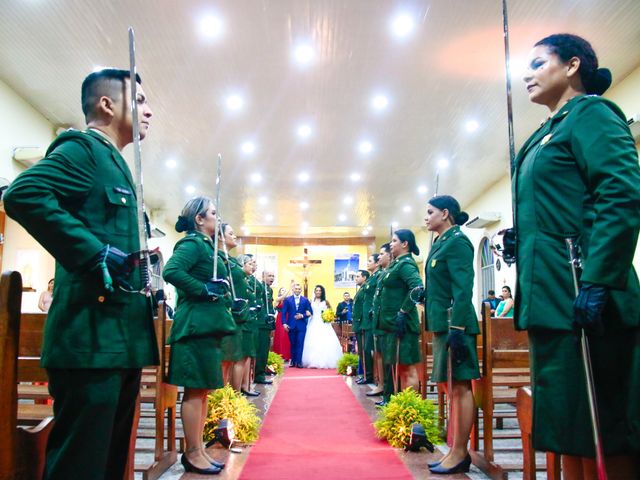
296, 311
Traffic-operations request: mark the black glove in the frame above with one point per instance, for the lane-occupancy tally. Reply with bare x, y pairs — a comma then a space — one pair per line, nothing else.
270, 320
417, 295
214, 289
509, 246
401, 324
239, 305
455, 341
115, 266
588, 308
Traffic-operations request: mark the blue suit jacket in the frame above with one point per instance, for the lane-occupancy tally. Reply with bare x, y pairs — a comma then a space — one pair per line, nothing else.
289, 311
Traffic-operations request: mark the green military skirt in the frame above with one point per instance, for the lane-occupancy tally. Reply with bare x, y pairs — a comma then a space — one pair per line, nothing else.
249, 343
561, 421
195, 362
409, 349
232, 347
467, 370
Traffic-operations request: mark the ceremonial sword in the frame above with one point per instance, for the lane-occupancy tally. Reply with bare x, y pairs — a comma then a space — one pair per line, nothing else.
143, 254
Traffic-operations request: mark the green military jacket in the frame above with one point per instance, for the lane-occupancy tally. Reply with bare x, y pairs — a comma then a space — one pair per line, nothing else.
449, 283
267, 307
241, 287
77, 199
357, 310
190, 266
376, 281
401, 277
577, 176
252, 297
368, 290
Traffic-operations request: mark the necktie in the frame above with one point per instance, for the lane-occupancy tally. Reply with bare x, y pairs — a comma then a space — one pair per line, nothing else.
297, 302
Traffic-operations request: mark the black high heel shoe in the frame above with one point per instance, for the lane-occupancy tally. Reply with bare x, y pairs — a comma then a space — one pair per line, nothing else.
189, 467
462, 467
434, 464
250, 394
219, 465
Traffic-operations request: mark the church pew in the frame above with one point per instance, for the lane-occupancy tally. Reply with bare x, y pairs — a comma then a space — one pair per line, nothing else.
524, 404
22, 449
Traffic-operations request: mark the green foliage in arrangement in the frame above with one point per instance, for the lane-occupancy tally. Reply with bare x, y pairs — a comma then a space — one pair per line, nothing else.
348, 360
227, 403
403, 410
275, 363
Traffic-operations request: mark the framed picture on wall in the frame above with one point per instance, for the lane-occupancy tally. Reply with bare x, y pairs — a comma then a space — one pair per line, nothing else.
345, 268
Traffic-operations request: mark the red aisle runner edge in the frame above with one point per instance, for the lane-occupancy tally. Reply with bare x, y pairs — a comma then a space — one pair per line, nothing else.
316, 429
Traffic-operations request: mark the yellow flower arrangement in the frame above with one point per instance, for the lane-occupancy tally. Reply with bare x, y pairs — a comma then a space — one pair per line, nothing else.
227, 403
328, 315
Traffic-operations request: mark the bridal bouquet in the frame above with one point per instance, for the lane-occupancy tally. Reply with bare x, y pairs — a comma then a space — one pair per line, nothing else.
328, 315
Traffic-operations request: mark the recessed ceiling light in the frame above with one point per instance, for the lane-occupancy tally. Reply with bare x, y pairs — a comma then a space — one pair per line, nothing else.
303, 177
422, 189
245, 230
402, 25
355, 177
234, 102
304, 205
263, 200
394, 224
347, 200
211, 26
379, 102
304, 131
406, 208
256, 177
304, 54
443, 163
365, 232
190, 189
248, 147
304, 224
471, 126
171, 163
342, 217
268, 217
365, 147
368, 227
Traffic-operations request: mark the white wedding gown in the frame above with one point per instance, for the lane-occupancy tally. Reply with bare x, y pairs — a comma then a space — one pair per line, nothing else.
321, 345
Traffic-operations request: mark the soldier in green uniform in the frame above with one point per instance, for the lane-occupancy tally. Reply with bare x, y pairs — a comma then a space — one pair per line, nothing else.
202, 319
369, 289
577, 177
398, 312
385, 387
232, 358
79, 203
453, 321
266, 325
247, 290
356, 318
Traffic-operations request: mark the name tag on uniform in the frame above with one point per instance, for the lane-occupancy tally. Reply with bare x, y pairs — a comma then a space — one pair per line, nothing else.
123, 191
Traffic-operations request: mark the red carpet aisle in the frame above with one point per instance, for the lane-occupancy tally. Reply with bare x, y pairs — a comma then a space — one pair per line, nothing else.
316, 429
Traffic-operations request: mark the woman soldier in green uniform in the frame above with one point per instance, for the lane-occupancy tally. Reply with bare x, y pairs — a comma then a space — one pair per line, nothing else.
577, 177
202, 318
450, 315
232, 358
250, 327
385, 386
398, 313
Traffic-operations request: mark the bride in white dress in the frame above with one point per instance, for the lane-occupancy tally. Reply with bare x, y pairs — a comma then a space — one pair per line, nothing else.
321, 345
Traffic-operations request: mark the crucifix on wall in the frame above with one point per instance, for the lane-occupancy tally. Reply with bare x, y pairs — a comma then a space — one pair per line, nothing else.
306, 263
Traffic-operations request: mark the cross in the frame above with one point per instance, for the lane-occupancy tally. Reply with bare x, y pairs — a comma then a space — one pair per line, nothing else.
305, 261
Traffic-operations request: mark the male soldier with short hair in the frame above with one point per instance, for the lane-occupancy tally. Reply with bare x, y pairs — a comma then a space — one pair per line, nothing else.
79, 203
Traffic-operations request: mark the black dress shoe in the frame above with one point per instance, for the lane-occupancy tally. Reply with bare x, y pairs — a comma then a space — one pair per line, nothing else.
361, 381
434, 464
462, 467
250, 394
381, 403
373, 394
219, 465
264, 382
189, 467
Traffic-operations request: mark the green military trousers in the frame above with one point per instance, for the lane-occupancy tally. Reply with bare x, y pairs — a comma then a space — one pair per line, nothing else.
262, 353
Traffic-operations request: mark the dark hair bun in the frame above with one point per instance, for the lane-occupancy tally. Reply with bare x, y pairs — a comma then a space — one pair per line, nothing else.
599, 82
462, 218
182, 225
